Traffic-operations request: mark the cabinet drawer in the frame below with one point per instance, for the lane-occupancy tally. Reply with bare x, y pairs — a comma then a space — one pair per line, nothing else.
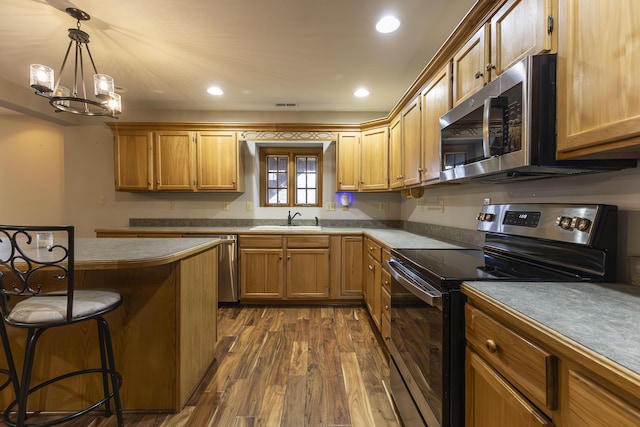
385, 330
386, 255
373, 249
311, 241
530, 368
386, 280
386, 304
260, 241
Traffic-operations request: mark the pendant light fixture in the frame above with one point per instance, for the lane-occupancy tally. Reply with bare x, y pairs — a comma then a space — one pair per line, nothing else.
74, 100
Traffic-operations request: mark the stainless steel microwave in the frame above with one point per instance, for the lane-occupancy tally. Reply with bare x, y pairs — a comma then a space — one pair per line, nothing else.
507, 130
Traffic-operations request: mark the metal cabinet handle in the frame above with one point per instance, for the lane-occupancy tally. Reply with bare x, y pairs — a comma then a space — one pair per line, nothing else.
491, 346
478, 74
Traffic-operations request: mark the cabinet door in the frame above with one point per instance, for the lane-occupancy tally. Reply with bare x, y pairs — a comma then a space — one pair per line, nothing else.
395, 153
307, 273
374, 157
436, 101
217, 161
492, 402
133, 154
348, 161
518, 29
411, 142
598, 86
261, 273
592, 405
351, 268
469, 66
373, 285
174, 155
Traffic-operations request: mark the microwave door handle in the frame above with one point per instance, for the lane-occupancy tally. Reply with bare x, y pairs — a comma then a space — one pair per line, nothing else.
489, 103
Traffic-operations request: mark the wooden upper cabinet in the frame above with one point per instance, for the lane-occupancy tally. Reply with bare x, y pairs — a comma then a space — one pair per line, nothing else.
436, 101
133, 160
520, 28
218, 162
598, 86
174, 155
395, 153
469, 64
348, 161
411, 143
374, 157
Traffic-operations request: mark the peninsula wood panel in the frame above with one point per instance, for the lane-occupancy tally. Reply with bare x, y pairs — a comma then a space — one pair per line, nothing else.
598, 88
160, 345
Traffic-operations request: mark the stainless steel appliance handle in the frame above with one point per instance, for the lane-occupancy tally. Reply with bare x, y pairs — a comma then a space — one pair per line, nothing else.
420, 288
486, 117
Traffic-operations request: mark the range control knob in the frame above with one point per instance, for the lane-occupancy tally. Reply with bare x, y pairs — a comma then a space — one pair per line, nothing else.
489, 217
583, 224
565, 222
480, 217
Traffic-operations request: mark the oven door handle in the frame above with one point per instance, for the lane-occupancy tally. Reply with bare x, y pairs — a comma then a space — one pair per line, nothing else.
423, 290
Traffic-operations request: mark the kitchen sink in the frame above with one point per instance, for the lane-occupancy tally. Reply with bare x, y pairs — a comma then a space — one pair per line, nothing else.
286, 227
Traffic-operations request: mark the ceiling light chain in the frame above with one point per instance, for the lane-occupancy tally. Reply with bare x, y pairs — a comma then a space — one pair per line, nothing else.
62, 98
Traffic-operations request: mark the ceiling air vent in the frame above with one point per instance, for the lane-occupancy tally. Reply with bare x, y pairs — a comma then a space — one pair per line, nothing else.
286, 104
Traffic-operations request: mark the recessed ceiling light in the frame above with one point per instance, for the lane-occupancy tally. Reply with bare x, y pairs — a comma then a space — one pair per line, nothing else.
388, 24
215, 90
361, 92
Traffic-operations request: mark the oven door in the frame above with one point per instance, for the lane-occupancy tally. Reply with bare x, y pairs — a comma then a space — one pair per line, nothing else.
419, 346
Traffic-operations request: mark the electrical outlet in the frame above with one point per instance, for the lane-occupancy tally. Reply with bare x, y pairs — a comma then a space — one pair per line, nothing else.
225, 206
172, 205
383, 206
102, 200
331, 206
249, 206
487, 201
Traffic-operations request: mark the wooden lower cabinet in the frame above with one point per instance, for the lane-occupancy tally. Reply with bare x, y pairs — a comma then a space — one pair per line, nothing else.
307, 273
520, 373
491, 401
261, 273
301, 267
373, 289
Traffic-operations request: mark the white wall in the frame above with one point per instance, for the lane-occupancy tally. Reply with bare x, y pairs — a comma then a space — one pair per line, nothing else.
90, 175
31, 171
463, 202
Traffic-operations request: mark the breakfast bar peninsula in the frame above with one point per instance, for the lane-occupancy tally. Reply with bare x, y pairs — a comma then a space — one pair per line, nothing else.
164, 333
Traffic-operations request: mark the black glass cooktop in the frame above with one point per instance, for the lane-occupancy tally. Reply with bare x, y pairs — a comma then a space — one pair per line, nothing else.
449, 267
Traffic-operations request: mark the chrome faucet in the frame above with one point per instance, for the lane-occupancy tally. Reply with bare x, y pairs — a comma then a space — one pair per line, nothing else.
290, 218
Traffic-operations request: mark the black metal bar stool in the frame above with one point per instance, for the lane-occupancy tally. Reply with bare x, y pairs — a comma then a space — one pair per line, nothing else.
32, 259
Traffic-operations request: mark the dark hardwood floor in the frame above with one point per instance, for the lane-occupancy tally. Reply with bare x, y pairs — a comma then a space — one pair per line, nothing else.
285, 366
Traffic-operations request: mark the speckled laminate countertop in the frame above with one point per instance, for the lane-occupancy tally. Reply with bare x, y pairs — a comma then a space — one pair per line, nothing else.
93, 253
601, 317
392, 238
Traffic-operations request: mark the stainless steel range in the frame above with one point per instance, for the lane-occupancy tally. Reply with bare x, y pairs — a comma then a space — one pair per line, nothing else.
523, 242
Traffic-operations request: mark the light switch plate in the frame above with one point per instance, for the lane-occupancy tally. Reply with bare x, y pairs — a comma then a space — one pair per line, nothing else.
331, 206
634, 270
249, 206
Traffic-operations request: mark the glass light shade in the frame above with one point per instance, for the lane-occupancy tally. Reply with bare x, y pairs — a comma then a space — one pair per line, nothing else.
62, 91
344, 199
41, 78
104, 86
115, 103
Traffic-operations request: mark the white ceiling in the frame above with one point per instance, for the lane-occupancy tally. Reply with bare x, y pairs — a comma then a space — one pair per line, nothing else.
165, 53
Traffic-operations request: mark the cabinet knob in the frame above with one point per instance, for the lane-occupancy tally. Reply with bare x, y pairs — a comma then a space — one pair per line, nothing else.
387, 338
478, 74
490, 66
491, 346
371, 267
280, 257
386, 307
288, 258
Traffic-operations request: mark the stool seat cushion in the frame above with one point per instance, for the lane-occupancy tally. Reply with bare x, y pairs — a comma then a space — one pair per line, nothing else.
52, 308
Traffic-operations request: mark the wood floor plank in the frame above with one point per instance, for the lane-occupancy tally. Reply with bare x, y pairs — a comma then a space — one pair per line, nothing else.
284, 366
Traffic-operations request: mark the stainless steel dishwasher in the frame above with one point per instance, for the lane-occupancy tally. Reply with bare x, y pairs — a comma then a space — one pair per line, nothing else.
227, 266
